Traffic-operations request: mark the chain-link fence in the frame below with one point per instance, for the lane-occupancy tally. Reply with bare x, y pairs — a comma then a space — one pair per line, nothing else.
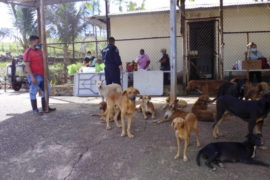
244, 24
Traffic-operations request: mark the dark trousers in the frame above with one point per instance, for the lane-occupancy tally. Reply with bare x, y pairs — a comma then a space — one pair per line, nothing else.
166, 75
258, 75
112, 76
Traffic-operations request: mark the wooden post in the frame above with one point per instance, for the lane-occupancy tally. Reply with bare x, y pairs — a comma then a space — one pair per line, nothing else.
108, 23
38, 22
44, 52
73, 51
173, 49
221, 40
183, 33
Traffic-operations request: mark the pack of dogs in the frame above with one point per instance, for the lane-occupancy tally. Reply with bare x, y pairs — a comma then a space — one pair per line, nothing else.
238, 97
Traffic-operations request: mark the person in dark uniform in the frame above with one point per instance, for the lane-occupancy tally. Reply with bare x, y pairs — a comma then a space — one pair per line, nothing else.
165, 65
113, 63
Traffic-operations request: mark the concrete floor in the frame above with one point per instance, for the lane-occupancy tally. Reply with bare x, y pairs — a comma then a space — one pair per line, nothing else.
71, 144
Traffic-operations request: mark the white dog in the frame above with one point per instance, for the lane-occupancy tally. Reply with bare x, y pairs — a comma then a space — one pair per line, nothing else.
106, 90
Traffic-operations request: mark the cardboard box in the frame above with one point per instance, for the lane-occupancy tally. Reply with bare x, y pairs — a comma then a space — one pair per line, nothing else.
252, 64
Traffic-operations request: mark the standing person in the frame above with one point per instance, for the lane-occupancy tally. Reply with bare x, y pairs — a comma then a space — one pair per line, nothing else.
143, 61
113, 63
35, 73
165, 65
254, 54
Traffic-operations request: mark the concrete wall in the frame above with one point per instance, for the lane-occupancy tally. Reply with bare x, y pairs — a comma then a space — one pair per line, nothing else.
255, 18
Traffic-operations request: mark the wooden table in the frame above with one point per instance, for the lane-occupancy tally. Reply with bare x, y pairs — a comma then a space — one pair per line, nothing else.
245, 70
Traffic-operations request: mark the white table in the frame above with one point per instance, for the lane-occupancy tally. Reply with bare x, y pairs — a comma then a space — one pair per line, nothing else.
147, 82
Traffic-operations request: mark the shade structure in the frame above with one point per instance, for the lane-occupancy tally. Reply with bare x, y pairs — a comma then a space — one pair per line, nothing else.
36, 3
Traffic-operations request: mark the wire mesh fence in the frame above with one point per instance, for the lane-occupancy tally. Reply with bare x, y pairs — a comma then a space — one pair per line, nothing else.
244, 21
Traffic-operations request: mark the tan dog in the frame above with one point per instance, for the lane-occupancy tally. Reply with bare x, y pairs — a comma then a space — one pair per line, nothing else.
147, 107
180, 103
173, 112
106, 90
126, 103
200, 109
255, 91
205, 87
183, 129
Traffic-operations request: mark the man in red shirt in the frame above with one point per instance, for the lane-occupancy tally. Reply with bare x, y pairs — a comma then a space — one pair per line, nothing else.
35, 73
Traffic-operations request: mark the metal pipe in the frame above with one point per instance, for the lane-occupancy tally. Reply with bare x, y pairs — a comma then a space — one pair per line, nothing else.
173, 48
108, 24
44, 52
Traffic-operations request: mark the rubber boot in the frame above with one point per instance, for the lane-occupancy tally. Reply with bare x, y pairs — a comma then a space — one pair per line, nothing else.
34, 107
43, 106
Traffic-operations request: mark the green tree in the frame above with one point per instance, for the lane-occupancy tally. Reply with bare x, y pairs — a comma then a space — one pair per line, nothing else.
66, 23
25, 21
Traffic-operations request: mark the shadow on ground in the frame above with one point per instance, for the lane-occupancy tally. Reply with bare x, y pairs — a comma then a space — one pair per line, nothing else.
70, 144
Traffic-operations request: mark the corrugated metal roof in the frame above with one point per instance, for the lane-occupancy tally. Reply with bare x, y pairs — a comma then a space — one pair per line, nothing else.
36, 3
195, 6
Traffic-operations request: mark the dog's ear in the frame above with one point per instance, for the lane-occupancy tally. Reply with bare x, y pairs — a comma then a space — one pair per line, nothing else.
141, 97
124, 92
102, 81
137, 91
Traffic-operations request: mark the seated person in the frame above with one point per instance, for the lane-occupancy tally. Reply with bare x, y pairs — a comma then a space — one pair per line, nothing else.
165, 65
99, 65
86, 62
254, 54
143, 61
93, 59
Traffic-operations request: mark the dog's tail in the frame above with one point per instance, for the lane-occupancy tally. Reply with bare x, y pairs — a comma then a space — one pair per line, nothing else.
257, 162
198, 158
211, 101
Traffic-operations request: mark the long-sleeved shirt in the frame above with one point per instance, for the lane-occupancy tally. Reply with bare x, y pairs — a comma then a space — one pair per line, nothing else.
111, 57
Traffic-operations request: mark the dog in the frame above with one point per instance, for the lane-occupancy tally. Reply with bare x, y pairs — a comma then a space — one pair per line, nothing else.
234, 88
200, 109
172, 112
180, 103
255, 91
146, 106
249, 111
205, 87
183, 129
103, 108
231, 152
105, 90
126, 105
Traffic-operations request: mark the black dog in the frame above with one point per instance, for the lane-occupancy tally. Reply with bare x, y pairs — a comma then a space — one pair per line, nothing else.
231, 152
228, 88
250, 111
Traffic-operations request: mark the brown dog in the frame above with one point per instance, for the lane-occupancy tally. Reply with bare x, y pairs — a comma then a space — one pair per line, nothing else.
146, 106
180, 103
173, 112
200, 109
103, 108
126, 103
206, 87
255, 91
183, 129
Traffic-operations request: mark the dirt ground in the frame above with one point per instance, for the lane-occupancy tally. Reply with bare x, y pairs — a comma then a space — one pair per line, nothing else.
69, 144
